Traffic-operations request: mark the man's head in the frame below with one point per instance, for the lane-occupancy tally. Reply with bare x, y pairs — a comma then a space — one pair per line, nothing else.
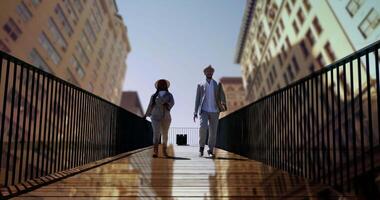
208, 71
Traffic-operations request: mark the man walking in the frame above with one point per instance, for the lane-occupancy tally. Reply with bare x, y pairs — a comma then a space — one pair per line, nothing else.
209, 102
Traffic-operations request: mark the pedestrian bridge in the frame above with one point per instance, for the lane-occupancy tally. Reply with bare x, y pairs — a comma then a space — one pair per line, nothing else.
182, 175
315, 138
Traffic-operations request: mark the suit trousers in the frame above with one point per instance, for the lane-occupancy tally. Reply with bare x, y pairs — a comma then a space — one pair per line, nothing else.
208, 120
161, 127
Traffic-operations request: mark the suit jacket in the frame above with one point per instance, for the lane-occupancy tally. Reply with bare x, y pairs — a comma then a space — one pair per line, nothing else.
158, 111
219, 97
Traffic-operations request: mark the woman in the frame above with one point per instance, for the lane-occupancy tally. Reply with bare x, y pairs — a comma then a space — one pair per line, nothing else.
158, 110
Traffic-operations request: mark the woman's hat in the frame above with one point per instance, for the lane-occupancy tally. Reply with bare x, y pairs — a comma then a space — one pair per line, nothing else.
167, 83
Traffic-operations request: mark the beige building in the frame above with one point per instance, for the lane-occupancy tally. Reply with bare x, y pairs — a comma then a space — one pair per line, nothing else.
130, 101
235, 93
284, 40
83, 42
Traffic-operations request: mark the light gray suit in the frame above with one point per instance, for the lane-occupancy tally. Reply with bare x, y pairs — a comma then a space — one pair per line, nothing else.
160, 116
209, 120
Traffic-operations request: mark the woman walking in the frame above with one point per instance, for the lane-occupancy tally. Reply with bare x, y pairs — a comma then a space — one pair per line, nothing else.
158, 110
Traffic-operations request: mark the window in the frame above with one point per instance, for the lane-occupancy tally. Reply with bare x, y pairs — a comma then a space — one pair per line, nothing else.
287, 43
330, 52
82, 55
321, 61
290, 72
317, 26
4, 47
310, 37
36, 2
353, 6
89, 32
274, 71
287, 6
66, 25
301, 16
282, 24
295, 27
56, 34
12, 29
307, 5
295, 64
24, 12
45, 43
304, 49
370, 23
274, 41
78, 5
78, 68
72, 14
98, 13
278, 33
286, 79
85, 43
94, 23
283, 52
38, 61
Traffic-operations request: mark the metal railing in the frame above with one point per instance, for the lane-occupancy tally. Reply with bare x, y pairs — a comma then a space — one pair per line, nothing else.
48, 125
324, 127
192, 135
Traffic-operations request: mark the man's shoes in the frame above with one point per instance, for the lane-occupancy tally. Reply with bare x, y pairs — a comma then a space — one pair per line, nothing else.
210, 154
201, 149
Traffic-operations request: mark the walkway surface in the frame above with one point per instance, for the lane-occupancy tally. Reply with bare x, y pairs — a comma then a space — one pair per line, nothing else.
184, 175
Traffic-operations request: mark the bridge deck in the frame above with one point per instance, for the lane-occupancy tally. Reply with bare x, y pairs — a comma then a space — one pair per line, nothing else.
183, 175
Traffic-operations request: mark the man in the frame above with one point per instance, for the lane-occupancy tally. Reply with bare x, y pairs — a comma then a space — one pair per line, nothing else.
209, 102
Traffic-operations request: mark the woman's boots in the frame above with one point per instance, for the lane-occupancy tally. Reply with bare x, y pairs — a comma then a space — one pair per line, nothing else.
155, 151
165, 151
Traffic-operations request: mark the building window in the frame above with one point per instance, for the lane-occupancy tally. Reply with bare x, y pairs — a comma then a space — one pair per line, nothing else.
38, 61
286, 79
24, 12
78, 68
78, 5
98, 13
12, 29
310, 37
317, 25
295, 64
89, 32
370, 23
282, 24
58, 38
330, 52
36, 2
287, 43
66, 25
353, 6
274, 41
287, 6
304, 49
290, 72
45, 43
321, 61
85, 42
72, 14
81, 54
301, 16
295, 27
283, 52
4, 47
94, 23
278, 33
307, 5
274, 72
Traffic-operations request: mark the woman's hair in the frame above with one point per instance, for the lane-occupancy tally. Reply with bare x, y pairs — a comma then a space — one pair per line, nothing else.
161, 86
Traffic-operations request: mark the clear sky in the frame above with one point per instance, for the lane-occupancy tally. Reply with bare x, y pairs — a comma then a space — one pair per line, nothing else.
175, 40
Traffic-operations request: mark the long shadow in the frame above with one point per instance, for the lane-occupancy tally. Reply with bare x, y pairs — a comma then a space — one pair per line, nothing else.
176, 158
226, 158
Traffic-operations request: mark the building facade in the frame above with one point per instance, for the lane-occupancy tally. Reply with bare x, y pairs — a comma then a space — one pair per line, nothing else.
235, 94
284, 40
130, 101
83, 42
